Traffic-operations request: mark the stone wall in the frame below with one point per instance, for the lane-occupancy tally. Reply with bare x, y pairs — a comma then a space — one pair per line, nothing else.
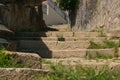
99, 14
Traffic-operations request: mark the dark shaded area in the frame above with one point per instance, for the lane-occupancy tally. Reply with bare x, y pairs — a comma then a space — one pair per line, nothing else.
32, 42
33, 45
34, 2
72, 17
26, 22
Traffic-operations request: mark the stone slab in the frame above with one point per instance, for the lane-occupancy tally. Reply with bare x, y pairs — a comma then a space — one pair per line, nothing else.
30, 60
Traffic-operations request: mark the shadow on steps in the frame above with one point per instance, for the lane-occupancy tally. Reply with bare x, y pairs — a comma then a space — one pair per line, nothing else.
30, 44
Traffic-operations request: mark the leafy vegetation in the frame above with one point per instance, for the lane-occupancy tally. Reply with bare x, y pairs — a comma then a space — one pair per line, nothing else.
61, 72
6, 60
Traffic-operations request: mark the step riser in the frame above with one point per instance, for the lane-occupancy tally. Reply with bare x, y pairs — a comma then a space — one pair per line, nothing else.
74, 38
83, 53
52, 45
66, 38
59, 34
56, 45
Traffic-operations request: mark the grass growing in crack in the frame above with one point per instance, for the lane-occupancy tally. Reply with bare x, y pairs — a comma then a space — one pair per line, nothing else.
102, 34
105, 45
61, 72
46, 62
101, 31
97, 55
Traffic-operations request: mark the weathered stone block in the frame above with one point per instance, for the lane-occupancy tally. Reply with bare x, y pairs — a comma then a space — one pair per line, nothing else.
29, 60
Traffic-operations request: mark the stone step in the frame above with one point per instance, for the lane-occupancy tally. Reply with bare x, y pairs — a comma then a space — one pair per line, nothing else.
99, 63
58, 34
74, 38
28, 60
76, 53
64, 27
82, 53
57, 39
113, 34
21, 73
57, 45
76, 61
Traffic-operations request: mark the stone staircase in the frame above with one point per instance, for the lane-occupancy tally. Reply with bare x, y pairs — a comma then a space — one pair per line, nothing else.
62, 46
61, 43
48, 45
73, 50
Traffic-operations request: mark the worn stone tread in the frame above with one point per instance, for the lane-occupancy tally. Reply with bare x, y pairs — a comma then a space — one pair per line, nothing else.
21, 73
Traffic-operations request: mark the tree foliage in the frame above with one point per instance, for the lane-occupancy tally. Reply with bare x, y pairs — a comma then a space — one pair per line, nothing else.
68, 4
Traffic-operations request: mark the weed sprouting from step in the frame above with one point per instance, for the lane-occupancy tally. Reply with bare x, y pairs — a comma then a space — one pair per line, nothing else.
46, 62
96, 55
94, 45
60, 38
105, 45
101, 31
102, 34
110, 44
